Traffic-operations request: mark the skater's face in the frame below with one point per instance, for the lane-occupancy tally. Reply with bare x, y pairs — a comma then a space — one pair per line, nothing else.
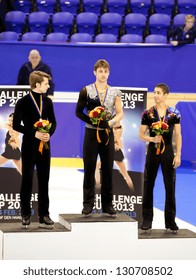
102, 74
43, 86
10, 121
159, 95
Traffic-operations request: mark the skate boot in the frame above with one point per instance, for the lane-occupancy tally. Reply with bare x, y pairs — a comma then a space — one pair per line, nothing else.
87, 210
109, 211
172, 226
26, 221
146, 225
46, 222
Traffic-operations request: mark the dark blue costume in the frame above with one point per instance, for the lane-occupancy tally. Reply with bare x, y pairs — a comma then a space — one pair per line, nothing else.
182, 37
153, 162
26, 70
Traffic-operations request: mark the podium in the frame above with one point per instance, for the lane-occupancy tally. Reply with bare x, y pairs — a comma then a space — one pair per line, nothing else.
97, 237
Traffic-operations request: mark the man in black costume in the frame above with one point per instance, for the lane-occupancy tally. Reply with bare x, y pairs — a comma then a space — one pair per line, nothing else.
30, 109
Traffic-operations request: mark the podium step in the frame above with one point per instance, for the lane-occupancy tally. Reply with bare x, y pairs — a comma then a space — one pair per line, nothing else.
96, 237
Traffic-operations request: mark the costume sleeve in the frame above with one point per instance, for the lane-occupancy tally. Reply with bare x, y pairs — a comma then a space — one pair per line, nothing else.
81, 104
145, 119
18, 117
177, 116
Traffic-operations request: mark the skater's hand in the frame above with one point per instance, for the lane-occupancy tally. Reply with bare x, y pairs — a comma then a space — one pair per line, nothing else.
43, 136
157, 139
176, 161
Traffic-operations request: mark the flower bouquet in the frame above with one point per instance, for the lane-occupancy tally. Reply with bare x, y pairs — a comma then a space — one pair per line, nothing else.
43, 126
159, 128
96, 115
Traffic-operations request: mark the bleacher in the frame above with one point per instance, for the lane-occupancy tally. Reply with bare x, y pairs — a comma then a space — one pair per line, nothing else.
35, 20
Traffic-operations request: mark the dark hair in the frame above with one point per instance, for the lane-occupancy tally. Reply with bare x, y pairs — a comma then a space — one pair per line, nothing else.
164, 88
11, 115
101, 63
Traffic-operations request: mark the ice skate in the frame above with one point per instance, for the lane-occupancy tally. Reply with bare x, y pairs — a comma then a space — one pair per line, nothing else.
109, 212
172, 227
26, 221
146, 226
46, 222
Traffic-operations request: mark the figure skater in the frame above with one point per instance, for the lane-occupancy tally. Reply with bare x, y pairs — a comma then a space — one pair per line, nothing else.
12, 145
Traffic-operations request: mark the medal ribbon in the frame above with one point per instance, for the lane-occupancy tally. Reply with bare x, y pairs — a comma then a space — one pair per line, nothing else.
39, 110
100, 95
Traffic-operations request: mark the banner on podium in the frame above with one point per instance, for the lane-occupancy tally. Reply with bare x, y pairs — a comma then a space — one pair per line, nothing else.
10, 157
128, 172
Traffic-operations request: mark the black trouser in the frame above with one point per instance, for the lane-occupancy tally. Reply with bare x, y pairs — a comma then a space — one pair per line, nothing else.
30, 159
169, 176
91, 149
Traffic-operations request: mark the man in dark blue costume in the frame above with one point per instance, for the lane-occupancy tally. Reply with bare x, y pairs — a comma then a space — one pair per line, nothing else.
184, 34
34, 64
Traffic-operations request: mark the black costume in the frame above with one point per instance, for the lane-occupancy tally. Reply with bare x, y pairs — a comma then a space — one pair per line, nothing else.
182, 37
165, 160
9, 152
26, 112
26, 70
88, 100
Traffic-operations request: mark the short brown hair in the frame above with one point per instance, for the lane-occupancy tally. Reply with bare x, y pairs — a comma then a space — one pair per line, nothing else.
101, 63
37, 77
164, 88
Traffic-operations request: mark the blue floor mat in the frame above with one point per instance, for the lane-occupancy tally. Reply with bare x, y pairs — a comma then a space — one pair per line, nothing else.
185, 194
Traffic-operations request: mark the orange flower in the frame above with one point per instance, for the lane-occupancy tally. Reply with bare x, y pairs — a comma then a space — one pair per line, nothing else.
159, 128
42, 126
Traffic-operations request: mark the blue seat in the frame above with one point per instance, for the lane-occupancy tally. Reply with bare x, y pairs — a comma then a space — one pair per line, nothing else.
38, 22
23, 6
117, 6
105, 38
47, 6
9, 36
93, 6
159, 24
178, 20
164, 6
32, 36
72, 6
86, 22
156, 39
15, 21
81, 37
141, 6
110, 23
135, 23
187, 7
131, 38
57, 37
62, 22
